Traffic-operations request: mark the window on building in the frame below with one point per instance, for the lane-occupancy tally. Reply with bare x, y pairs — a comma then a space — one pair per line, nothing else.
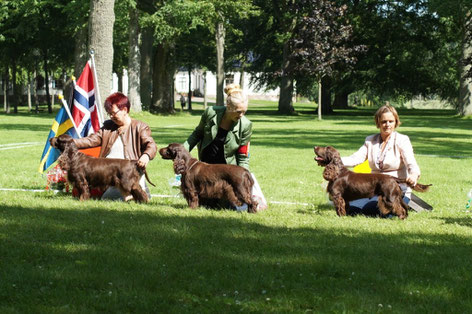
182, 83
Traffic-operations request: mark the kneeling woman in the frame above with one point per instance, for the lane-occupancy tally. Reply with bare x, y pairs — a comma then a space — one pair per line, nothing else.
223, 134
388, 152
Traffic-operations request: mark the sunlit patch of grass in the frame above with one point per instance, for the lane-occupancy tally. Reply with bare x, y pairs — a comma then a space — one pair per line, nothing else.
61, 255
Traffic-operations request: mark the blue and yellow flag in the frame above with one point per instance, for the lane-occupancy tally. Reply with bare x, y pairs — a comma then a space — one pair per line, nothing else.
62, 124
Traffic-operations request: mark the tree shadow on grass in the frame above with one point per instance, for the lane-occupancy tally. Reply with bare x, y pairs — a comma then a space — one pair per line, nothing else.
465, 221
428, 143
141, 261
26, 127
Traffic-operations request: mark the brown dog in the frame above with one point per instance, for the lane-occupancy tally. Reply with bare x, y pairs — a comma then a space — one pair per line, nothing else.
201, 181
85, 172
345, 186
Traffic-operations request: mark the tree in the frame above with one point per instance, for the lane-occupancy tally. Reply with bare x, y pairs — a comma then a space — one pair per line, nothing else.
321, 41
195, 50
459, 12
134, 61
102, 18
169, 20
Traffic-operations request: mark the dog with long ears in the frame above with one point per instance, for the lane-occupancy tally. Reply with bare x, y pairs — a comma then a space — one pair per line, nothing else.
85, 172
201, 182
345, 186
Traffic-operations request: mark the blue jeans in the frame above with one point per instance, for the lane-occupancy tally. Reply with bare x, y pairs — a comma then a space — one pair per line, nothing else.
367, 206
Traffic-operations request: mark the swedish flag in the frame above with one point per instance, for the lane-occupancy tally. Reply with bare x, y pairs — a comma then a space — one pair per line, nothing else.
62, 124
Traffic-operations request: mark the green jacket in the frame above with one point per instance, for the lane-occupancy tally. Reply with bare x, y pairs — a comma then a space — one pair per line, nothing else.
238, 137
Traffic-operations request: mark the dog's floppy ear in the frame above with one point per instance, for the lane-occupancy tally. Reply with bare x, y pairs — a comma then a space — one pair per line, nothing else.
334, 156
179, 166
176, 151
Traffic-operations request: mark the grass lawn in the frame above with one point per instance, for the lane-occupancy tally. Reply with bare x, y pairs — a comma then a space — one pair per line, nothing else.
59, 255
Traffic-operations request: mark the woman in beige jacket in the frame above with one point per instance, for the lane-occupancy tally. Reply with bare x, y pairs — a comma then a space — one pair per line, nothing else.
388, 152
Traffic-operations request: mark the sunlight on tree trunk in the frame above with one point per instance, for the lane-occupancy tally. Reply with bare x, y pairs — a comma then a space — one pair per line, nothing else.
220, 71
205, 100
29, 86
320, 96
134, 62
101, 20
465, 100
286, 84
190, 94
162, 80
242, 78
80, 51
6, 106
146, 67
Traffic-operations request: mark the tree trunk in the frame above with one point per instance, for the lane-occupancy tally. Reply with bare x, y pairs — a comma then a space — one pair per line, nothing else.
320, 96
46, 81
119, 74
134, 62
341, 100
101, 20
465, 96
242, 78
146, 67
189, 89
29, 86
35, 91
80, 51
326, 96
16, 93
6, 104
205, 100
286, 84
162, 80
220, 60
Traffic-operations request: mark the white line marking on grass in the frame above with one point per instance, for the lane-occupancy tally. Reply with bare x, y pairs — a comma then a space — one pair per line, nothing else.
27, 190
18, 145
153, 195
173, 126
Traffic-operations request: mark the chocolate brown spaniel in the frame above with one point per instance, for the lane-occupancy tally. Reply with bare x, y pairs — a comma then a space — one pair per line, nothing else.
201, 182
345, 186
85, 172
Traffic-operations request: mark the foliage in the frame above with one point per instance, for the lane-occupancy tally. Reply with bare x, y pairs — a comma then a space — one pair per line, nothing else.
321, 39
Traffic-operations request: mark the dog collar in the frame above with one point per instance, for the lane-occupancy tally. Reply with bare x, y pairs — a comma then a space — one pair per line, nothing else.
192, 165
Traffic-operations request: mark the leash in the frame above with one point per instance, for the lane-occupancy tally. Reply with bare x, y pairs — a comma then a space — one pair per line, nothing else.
192, 165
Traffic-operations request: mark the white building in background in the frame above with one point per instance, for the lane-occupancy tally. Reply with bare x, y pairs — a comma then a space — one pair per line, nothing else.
198, 84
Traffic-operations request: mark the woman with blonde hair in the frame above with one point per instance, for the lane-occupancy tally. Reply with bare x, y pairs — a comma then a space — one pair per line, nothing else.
224, 132
388, 152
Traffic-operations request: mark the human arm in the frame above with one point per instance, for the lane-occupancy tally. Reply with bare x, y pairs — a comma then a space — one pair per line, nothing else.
148, 146
93, 140
242, 155
408, 157
357, 158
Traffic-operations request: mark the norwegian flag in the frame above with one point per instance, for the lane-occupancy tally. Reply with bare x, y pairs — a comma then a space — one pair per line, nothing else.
84, 107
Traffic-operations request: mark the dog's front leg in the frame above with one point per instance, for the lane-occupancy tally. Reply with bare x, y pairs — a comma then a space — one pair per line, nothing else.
193, 199
84, 191
340, 205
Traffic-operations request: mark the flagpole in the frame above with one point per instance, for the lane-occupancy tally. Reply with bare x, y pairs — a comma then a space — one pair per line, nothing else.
64, 103
97, 90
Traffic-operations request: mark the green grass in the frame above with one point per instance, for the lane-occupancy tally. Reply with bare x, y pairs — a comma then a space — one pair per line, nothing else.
59, 255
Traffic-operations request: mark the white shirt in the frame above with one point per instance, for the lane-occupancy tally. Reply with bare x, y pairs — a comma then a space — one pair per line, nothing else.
397, 158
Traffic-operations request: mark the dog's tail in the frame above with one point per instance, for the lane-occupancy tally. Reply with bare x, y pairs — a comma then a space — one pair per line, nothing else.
417, 187
143, 171
147, 178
